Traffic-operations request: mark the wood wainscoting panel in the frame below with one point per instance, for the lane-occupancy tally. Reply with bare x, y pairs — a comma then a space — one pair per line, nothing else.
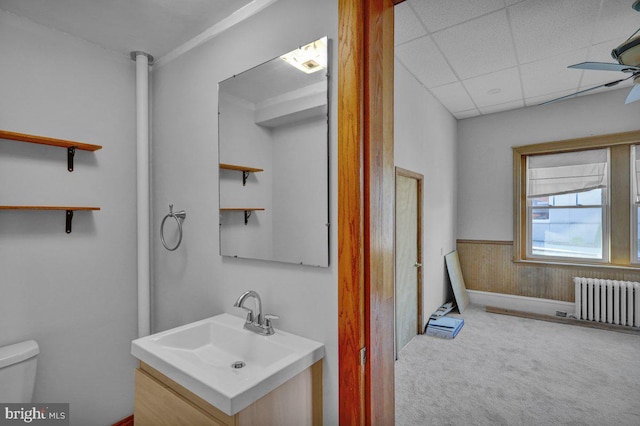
489, 266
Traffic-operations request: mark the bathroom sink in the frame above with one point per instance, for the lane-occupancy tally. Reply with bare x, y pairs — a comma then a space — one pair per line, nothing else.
226, 365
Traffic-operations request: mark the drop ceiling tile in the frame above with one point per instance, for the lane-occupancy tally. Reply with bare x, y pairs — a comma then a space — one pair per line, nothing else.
478, 46
495, 88
423, 59
466, 114
545, 34
617, 20
502, 107
440, 14
543, 28
454, 97
552, 75
407, 25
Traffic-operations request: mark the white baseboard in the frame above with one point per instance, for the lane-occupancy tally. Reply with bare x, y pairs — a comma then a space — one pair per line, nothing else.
520, 303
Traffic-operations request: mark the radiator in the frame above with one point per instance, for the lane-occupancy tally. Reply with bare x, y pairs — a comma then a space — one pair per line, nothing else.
608, 301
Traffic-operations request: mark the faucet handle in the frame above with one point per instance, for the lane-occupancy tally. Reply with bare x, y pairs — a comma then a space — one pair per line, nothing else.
249, 313
268, 318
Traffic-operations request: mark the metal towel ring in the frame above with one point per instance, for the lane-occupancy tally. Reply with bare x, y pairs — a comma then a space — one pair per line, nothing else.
179, 217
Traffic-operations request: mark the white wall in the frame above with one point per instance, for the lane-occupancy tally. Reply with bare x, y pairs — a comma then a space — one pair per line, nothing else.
194, 282
74, 294
485, 165
425, 143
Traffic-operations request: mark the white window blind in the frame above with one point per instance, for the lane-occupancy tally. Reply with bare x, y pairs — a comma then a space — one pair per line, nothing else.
566, 173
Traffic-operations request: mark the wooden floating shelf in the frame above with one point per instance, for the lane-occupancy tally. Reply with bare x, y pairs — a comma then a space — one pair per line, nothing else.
48, 208
68, 209
71, 146
42, 140
240, 168
244, 169
247, 211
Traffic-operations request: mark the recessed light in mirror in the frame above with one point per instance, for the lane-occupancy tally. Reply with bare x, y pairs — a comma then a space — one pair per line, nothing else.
309, 58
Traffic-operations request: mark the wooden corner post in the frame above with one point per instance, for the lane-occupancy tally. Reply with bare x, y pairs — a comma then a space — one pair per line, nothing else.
365, 212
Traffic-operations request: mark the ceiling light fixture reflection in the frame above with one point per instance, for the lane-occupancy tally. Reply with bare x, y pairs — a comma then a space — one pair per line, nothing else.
309, 58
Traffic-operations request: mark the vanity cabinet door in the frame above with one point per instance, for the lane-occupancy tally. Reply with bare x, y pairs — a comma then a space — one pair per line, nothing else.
157, 405
159, 401
296, 402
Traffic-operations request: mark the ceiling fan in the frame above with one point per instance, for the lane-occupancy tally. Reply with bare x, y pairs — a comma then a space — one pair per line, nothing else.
628, 57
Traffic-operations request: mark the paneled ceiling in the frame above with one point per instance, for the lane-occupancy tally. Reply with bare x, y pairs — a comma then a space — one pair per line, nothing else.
484, 56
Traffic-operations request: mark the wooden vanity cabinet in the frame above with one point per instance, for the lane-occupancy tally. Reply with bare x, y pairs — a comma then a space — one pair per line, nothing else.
161, 401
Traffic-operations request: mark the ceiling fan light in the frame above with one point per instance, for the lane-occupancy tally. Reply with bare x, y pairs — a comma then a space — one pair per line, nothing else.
628, 53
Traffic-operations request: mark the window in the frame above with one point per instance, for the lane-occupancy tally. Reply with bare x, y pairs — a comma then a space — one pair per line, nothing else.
567, 205
575, 201
635, 203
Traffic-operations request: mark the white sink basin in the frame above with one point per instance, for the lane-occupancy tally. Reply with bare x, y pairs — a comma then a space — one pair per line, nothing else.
200, 357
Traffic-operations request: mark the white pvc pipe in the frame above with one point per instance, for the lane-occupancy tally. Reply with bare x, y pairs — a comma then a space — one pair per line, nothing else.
142, 123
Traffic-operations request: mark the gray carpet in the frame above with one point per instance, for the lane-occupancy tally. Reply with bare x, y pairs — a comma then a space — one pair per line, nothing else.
503, 370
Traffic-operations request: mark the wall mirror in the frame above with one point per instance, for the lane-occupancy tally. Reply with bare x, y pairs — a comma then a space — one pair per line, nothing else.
274, 159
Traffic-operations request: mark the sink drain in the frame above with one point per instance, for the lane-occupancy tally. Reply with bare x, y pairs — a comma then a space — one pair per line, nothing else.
238, 364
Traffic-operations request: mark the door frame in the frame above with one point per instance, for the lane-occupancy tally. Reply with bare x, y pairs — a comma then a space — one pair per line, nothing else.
420, 182
366, 188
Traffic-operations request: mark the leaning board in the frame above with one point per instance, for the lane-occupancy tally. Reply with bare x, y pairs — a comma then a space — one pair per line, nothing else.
457, 282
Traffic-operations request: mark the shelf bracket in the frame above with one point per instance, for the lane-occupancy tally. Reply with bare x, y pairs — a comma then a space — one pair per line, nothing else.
71, 151
247, 215
245, 176
68, 222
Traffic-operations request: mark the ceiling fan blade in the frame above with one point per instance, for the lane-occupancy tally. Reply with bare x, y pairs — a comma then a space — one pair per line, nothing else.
634, 94
604, 66
613, 83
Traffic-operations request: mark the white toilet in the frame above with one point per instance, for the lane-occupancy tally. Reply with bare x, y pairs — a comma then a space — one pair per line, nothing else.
18, 371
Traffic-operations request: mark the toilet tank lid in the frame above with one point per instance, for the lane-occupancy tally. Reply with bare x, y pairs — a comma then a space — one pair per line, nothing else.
18, 352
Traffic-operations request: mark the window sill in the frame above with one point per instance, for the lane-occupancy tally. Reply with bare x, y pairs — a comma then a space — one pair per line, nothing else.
536, 262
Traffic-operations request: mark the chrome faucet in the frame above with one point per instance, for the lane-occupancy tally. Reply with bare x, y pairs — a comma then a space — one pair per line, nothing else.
256, 321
